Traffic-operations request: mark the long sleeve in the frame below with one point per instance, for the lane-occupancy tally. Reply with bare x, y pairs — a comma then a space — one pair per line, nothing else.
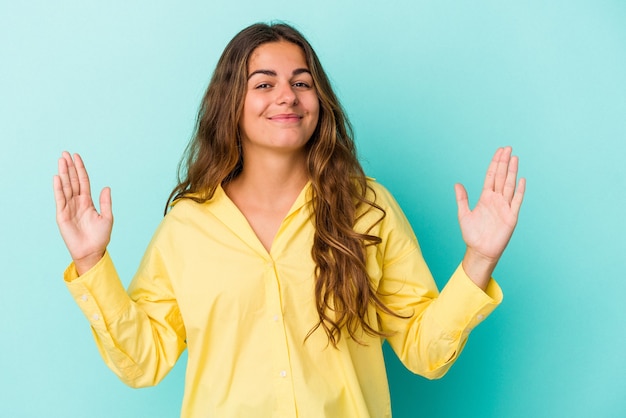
140, 336
434, 327
431, 328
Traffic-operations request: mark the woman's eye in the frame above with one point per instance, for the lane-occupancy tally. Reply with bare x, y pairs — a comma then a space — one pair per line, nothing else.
263, 86
301, 84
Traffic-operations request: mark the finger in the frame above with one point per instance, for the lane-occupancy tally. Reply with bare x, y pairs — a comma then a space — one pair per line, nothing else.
511, 179
518, 197
83, 177
65, 177
502, 169
462, 202
72, 174
491, 171
59, 196
106, 204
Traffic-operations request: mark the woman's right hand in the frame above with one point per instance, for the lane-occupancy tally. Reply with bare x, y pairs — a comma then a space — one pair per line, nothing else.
85, 231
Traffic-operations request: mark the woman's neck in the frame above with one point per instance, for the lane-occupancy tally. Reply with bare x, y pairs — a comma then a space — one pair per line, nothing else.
270, 180
265, 190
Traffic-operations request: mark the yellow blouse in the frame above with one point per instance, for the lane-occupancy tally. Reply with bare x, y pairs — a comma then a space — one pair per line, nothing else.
207, 284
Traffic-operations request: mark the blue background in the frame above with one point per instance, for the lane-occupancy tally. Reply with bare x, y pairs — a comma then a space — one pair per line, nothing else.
432, 88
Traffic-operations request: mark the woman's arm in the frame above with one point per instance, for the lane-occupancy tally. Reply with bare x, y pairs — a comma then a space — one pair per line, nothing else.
433, 328
139, 338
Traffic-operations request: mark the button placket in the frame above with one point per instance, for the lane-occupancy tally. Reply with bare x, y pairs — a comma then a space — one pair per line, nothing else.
280, 355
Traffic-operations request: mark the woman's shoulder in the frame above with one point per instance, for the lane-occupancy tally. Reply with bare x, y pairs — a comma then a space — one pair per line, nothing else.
183, 206
186, 211
379, 194
393, 226
194, 202
384, 199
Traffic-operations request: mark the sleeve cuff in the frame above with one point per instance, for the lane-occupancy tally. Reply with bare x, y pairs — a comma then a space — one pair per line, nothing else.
99, 292
462, 305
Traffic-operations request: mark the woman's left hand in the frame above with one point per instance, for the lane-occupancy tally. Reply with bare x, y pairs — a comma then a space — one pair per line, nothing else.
487, 228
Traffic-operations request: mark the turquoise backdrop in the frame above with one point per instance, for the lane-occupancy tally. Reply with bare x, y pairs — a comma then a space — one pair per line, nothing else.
432, 88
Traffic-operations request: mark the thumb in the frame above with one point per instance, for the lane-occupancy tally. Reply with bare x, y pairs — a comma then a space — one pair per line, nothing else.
461, 200
105, 203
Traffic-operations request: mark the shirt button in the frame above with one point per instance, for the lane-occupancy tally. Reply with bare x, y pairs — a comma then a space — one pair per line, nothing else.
480, 317
95, 317
283, 373
84, 298
275, 318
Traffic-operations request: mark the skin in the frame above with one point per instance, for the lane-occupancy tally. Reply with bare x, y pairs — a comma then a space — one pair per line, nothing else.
281, 108
487, 229
281, 111
85, 231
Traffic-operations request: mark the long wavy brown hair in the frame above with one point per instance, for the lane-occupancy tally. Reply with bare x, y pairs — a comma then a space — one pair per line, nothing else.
343, 291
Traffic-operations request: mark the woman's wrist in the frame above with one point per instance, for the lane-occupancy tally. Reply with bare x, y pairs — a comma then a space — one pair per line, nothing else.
85, 264
478, 268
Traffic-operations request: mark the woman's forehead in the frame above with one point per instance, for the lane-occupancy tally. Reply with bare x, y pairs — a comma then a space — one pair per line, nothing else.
276, 54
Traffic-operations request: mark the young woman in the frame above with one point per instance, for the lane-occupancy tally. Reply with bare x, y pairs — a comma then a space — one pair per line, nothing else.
279, 266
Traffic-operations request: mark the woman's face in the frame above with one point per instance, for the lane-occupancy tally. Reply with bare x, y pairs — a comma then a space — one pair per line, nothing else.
281, 107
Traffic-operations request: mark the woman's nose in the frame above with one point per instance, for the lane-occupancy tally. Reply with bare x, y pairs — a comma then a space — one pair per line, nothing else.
286, 95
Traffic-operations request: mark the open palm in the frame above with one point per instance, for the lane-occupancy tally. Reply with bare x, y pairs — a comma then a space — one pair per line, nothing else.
487, 228
85, 231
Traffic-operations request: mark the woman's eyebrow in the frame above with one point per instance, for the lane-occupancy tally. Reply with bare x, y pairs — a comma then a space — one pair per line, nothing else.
299, 71
272, 73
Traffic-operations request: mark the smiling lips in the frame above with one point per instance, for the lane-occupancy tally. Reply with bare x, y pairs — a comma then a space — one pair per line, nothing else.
286, 118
